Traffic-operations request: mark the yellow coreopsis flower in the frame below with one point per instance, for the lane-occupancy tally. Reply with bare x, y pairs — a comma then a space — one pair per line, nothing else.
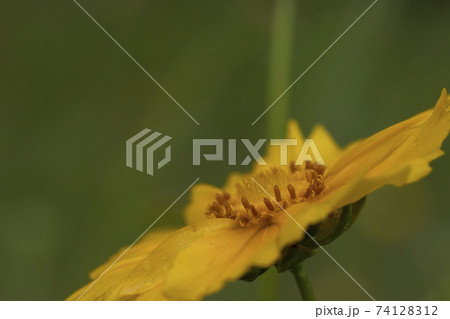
250, 221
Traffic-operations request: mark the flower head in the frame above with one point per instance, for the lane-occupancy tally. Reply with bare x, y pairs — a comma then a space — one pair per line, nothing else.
249, 223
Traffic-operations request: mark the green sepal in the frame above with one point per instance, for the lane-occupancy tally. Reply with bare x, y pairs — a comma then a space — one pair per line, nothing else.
293, 255
253, 273
344, 222
323, 233
337, 223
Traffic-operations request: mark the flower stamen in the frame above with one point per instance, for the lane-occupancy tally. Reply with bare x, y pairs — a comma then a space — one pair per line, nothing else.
268, 204
245, 202
291, 191
249, 204
277, 193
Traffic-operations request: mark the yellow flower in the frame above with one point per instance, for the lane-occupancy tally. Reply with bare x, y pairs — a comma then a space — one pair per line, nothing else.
246, 223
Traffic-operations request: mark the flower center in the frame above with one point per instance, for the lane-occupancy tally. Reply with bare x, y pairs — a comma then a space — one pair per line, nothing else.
263, 195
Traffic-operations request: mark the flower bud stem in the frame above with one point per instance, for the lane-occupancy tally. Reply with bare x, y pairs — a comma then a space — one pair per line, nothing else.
303, 283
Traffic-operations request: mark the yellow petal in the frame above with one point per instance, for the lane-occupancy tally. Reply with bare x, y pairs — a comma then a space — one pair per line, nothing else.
104, 286
305, 214
234, 179
326, 145
201, 195
205, 266
397, 155
273, 151
144, 246
150, 275
154, 294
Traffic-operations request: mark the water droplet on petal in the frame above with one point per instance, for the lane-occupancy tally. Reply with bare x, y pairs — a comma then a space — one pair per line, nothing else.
148, 282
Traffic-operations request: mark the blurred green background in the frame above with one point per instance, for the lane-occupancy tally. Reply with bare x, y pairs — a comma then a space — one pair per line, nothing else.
69, 98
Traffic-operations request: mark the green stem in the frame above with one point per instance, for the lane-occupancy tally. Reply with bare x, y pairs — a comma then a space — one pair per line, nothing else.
280, 63
303, 283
